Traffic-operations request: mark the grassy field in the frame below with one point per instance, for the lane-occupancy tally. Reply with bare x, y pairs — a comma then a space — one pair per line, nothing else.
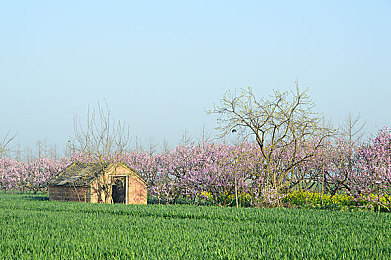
34, 228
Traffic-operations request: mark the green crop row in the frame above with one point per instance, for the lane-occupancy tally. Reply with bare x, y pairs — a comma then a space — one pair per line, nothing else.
34, 228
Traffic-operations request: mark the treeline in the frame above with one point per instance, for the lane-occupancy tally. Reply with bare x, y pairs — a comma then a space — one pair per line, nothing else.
282, 146
226, 174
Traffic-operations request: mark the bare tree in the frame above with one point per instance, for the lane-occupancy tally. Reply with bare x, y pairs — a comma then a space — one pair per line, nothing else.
165, 147
138, 145
186, 138
205, 136
44, 150
102, 140
353, 129
284, 127
152, 146
101, 137
4, 144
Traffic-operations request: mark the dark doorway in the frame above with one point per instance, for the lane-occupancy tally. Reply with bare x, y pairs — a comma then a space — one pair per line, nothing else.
119, 189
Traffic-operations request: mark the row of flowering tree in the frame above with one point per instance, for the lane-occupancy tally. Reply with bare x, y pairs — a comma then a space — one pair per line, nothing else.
284, 147
225, 174
28, 176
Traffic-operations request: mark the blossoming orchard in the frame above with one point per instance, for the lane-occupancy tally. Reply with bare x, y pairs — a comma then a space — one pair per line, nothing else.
213, 172
284, 150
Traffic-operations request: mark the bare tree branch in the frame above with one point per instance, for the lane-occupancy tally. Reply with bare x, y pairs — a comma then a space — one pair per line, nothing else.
282, 125
100, 137
353, 129
4, 144
101, 140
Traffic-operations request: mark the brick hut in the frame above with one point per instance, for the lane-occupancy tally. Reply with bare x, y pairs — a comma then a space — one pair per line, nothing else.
98, 183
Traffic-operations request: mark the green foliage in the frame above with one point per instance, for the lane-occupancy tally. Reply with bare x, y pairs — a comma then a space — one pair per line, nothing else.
37, 229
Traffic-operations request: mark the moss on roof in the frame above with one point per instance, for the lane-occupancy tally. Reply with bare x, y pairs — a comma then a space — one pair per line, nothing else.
78, 174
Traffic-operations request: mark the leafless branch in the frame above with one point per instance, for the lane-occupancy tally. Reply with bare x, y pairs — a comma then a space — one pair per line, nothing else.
4, 144
284, 122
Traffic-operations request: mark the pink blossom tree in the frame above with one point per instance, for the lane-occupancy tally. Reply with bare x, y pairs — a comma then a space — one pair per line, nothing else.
371, 179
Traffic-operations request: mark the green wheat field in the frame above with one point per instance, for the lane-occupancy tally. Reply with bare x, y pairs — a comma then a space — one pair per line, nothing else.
34, 228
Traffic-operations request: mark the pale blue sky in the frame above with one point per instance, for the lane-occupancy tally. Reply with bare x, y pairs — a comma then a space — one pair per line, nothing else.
159, 64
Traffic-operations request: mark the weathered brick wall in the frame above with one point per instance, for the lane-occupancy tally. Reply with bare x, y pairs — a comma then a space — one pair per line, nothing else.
63, 193
137, 189
96, 194
137, 193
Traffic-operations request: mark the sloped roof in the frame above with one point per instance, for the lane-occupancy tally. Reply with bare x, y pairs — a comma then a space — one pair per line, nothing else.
81, 174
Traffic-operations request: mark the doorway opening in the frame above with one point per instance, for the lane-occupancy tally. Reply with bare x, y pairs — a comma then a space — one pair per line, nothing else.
119, 189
